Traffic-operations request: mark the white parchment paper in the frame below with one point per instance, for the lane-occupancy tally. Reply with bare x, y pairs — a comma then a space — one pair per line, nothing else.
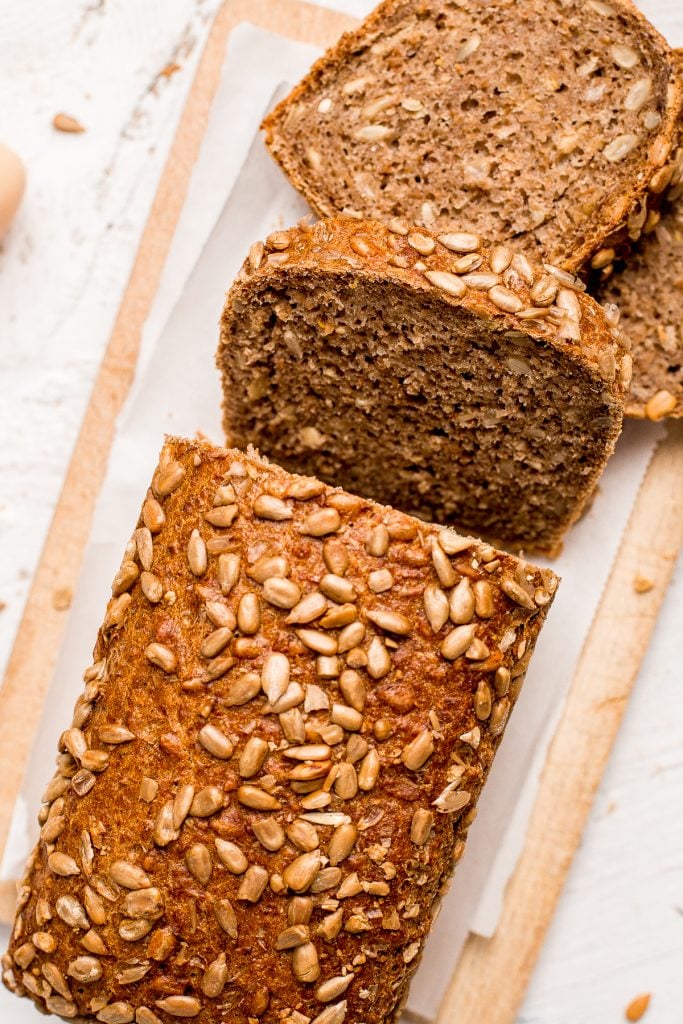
237, 195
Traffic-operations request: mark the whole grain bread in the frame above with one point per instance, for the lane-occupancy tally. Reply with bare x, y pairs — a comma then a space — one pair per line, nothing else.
647, 285
295, 700
463, 385
542, 121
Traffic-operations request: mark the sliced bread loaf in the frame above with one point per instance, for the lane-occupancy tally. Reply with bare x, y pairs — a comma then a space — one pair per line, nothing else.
542, 121
648, 289
462, 385
295, 700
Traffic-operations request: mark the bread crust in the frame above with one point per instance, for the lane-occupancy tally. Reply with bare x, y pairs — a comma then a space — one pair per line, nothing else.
136, 904
388, 254
619, 216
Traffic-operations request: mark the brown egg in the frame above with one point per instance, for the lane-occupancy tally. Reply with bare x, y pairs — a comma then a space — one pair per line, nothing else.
12, 184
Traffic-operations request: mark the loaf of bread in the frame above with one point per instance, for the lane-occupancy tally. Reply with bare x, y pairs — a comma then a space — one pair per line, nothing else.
295, 700
648, 288
462, 385
542, 121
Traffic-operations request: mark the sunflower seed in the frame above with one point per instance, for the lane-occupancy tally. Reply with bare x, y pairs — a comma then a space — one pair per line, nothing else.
182, 804
460, 241
379, 660
125, 578
461, 604
179, 1006
151, 587
505, 299
85, 969
63, 865
351, 636
368, 773
517, 594
377, 541
243, 689
257, 799
446, 282
353, 689
275, 676
321, 643
269, 833
198, 862
215, 742
206, 802
130, 876
228, 571
168, 478
214, 978
161, 656
282, 593
341, 843
71, 912
418, 751
249, 614
305, 963
290, 938
347, 717
143, 904
390, 621
231, 856
253, 884
226, 917
116, 1013
457, 642
423, 244
421, 826
252, 757
310, 607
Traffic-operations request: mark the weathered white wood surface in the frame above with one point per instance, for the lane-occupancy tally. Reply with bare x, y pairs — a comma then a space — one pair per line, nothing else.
619, 930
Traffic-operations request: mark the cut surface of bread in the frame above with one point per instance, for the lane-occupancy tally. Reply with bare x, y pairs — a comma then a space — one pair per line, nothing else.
648, 289
462, 385
295, 700
541, 121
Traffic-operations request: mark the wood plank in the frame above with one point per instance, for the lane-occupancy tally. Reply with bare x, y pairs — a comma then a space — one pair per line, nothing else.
41, 629
595, 706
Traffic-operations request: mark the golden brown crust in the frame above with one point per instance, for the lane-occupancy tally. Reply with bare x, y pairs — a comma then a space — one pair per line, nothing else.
136, 904
620, 216
501, 286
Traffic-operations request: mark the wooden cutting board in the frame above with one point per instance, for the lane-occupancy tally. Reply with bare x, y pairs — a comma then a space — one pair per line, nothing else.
612, 653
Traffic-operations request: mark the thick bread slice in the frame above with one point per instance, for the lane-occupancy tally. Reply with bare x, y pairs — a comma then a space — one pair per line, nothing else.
542, 121
649, 292
462, 385
295, 700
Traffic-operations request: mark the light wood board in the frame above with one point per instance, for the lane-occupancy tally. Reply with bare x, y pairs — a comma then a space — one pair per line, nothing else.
611, 657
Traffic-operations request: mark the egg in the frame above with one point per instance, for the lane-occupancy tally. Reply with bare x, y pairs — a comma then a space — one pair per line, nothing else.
12, 184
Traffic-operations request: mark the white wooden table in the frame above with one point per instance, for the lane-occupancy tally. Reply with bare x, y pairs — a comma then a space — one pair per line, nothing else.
63, 268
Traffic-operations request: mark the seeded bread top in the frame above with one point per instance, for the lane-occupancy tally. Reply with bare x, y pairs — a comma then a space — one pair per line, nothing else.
543, 121
296, 697
498, 284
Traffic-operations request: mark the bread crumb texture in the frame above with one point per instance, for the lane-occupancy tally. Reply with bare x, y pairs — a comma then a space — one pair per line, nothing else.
295, 698
465, 385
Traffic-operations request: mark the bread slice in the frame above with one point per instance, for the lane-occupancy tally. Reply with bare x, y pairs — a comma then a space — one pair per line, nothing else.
541, 121
295, 700
648, 288
461, 385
